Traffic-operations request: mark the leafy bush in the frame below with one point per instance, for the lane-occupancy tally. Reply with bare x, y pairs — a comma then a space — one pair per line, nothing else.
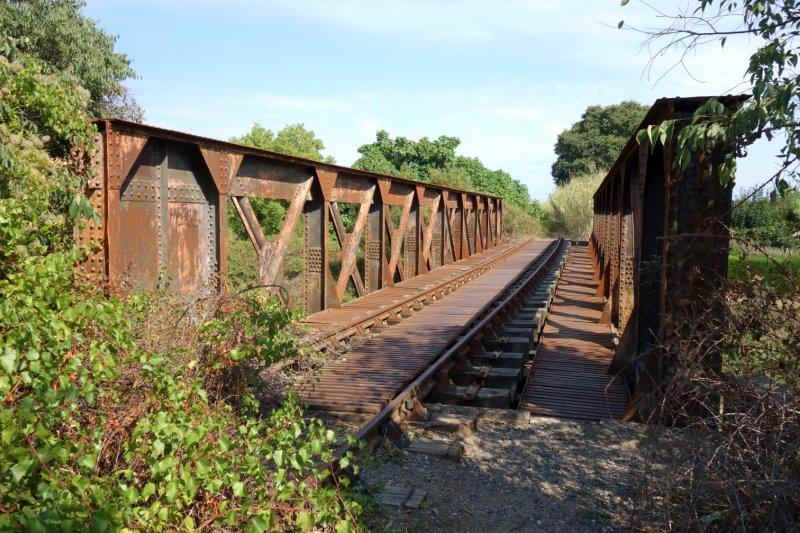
100, 428
571, 207
518, 222
57, 34
140, 413
769, 221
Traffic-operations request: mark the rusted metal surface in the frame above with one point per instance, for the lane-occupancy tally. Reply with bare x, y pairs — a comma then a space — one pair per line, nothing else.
336, 325
659, 238
570, 376
368, 378
162, 197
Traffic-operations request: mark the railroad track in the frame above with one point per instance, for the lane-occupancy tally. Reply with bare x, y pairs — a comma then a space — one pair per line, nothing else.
486, 345
337, 328
501, 358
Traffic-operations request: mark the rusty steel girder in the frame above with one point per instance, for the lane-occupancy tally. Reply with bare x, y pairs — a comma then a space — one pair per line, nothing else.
659, 237
162, 197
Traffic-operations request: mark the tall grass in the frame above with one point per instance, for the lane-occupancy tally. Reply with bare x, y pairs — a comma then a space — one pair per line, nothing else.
571, 209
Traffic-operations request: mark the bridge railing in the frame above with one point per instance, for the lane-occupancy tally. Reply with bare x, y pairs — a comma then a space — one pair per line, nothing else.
659, 239
163, 198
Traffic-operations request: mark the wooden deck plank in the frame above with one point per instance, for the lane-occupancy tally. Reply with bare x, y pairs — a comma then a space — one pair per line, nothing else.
570, 372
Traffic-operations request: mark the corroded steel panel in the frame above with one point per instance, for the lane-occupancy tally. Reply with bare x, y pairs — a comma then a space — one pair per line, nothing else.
141, 240
191, 205
659, 237
90, 234
162, 198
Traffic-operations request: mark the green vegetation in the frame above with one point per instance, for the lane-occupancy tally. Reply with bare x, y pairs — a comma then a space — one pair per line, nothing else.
593, 143
143, 413
571, 207
293, 139
771, 267
435, 161
67, 43
768, 221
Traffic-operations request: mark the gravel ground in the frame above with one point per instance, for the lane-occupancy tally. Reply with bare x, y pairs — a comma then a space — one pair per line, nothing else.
528, 474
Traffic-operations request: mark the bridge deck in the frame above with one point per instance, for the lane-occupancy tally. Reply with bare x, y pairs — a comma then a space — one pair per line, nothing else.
372, 309
370, 375
569, 377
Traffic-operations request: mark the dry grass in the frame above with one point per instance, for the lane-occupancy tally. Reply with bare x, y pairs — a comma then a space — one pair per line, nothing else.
742, 470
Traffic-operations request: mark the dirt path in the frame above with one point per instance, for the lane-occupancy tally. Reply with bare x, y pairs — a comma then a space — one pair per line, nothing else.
528, 474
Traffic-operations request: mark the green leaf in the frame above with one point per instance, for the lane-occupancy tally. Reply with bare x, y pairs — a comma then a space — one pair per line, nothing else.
624, 2
344, 526
19, 470
304, 521
188, 523
88, 461
238, 489
259, 524
9, 360
277, 456
148, 490
158, 448
172, 491
620, 23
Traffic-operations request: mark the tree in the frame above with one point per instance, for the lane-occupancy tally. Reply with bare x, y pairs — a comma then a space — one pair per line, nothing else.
403, 157
293, 139
436, 161
593, 143
67, 42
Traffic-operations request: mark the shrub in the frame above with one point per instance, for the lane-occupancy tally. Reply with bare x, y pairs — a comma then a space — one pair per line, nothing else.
138, 413
109, 417
769, 221
518, 222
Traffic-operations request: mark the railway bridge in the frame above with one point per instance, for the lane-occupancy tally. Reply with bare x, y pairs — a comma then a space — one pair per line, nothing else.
415, 293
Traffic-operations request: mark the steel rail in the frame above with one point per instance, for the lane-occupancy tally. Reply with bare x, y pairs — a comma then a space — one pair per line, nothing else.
522, 281
356, 328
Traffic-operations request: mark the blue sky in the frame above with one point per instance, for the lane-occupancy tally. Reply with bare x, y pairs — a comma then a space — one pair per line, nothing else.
504, 77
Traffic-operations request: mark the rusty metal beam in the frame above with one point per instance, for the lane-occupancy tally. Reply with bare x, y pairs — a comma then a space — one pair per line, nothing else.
348, 243
397, 237
271, 263
250, 222
427, 238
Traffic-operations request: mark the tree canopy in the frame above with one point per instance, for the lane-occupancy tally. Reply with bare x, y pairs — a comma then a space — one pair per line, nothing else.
293, 139
436, 161
593, 143
68, 43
